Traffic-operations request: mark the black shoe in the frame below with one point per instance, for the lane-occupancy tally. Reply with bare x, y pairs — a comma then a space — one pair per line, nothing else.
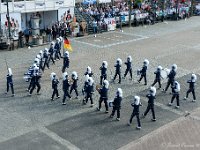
153, 119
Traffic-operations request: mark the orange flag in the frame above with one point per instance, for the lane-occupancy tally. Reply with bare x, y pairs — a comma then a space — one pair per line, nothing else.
67, 45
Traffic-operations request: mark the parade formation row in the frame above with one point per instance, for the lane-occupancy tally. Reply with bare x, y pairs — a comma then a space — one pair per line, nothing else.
70, 84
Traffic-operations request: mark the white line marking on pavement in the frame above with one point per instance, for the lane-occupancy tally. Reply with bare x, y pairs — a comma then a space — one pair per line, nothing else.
113, 44
57, 138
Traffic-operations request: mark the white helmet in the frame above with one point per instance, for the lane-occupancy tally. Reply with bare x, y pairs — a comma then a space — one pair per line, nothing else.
53, 75
65, 75
129, 58
146, 62
136, 100
52, 43
66, 53
74, 75
174, 67
105, 64
119, 92
46, 49
36, 61
9, 71
38, 56
60, 38
106, 84
57, 39
119, 61
159, 68
153, 91
193, 77
89, 70
34, 65
177, 86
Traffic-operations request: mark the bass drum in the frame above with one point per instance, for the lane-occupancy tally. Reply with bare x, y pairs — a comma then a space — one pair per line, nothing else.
164, 73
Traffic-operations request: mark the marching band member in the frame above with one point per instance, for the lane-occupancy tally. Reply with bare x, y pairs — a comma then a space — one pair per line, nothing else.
103, 69
65, 61
117, 104
128, 67
66, 86
104, 95
151, 96
175, 93
85, 87
10, 82
158, 77
51, 52
89, 71
57, 49
143, 71
74, 85
46, 58
31, 76
118, 69
35, 81
191, 87
89, 91
55, 83
136, 111
41, 59
171, 77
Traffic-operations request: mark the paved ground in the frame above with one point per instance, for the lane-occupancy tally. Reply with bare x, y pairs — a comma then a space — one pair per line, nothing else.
37, 123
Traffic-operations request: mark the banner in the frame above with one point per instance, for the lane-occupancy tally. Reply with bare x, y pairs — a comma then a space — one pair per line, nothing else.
89, 1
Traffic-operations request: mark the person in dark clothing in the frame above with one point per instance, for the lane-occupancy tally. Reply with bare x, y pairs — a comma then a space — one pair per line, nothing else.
117, 104
51, 52
103, 69
151, 96
57, 49
128, 67
89, 71
10, 82
85, 87
191, 87
21, 41
136, 111
55, 83
158, 77
65, 61
35, 81
74, 85
171, 77
118, 70
66, 86
27, 34
32, 79
46, 58
89, 91
143, 72
175, 93
104, 95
